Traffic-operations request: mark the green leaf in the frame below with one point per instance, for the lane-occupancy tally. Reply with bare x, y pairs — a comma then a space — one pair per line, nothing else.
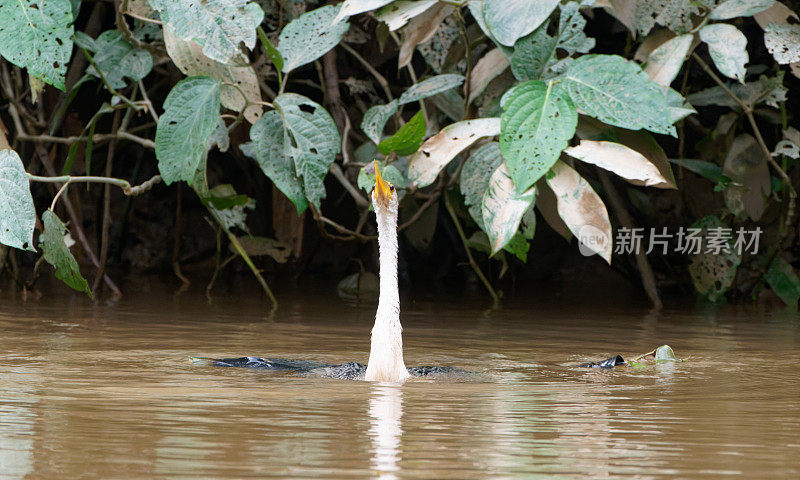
295, 146
406, 140
272, 52
783, 280
536, 125
443, 147
535, 54
190, 117
502, 207
705, 169
310, 36
783, 42
644, 14
475, 175
728, 49
37, 35
17, 213
117, 58
617, 91
510, 20
218, 25
375, 119
57, 254
769, 90
519, 246
739, 8
430, 87
390, 173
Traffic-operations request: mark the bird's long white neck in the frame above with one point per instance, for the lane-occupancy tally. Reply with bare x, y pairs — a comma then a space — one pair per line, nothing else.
386, 350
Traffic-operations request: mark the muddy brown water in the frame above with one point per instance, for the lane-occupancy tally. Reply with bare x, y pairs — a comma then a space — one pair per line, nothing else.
107, 392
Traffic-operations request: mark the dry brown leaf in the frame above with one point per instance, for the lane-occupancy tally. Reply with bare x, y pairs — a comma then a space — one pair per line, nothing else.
420, 29
487, 69
746, 166
624, 161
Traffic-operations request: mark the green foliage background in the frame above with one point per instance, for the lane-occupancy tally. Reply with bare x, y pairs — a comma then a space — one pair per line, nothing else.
497, 120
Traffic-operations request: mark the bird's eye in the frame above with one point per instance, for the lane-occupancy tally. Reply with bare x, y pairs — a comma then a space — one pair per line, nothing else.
391, 187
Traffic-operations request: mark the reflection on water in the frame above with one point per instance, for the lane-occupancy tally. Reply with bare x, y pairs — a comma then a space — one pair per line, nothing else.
108, 392
386, 428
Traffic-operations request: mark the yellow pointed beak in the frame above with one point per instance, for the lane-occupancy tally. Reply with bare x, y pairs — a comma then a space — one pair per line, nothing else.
381, 187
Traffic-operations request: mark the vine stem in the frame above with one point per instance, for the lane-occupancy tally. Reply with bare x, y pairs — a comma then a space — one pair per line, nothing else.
748, 111
126, 187
472, 261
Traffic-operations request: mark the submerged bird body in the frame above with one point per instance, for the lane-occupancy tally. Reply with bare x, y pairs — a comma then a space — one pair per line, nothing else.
386, 344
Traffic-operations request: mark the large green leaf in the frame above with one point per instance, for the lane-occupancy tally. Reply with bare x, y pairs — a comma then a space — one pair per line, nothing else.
57, 254
17, 213
375, 119
117, 59
430, 87
616, 91
538, 120
502, 207
190, 116
535, 54
739, 8
510, 20
310, 36
270, 152
37, 35
441, 148
728, 48
407, 139
475, 175
218, 25
295, 145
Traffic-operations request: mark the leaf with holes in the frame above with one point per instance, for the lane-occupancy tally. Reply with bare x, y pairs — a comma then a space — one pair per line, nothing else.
218, 25
535, 54
117, 59
37, 35
57, 254
17, 213
783, 42
407, 139
616, 91
375, 119
309, 146
475, 175
625, 162
739, 8
747, 168
420, 30
430, 87
712, 272
189, 58
538, 120
510, 20
664, 63
581, 209
190, 117
310, 36
441, 148
502, 207
728, 48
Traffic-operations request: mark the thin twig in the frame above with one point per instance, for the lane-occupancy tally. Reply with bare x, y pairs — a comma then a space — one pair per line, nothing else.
380, 78
472, 262
106, 223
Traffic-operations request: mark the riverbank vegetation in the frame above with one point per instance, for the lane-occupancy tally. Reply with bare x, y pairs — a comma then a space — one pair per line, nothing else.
223, 137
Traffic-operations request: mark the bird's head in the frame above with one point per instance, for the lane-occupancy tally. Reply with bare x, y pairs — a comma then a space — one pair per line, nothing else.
384, 194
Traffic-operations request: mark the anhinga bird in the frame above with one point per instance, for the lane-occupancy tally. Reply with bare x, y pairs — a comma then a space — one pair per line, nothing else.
386, 349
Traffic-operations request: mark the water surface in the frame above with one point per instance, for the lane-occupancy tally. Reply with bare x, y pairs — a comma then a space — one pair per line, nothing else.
108, 392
